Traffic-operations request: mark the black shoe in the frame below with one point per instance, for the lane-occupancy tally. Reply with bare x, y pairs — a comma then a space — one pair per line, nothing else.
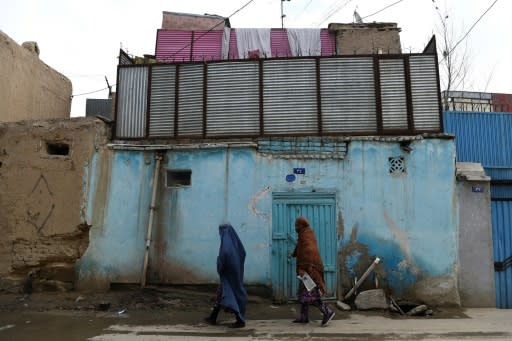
210, 320
237, 324
328, 317
300, 321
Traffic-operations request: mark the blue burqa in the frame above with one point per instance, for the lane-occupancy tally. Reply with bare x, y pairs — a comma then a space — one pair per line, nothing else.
230, 266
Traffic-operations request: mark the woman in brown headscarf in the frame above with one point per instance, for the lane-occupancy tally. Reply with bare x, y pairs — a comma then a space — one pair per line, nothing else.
309, 260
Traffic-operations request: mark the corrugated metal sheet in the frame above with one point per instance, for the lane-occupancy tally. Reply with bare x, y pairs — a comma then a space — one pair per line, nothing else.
173, 45
233, 99
425, 100
132, 102
233, 47
502, 245
393, 95
279, 44
501, 192
499, 173
207, 45
348, 95
481, 137
289, 96
328, 42
124, 59
190, 107
161, 107
98, 107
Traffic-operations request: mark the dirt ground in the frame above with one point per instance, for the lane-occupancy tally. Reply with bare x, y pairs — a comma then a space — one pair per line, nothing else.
164, 299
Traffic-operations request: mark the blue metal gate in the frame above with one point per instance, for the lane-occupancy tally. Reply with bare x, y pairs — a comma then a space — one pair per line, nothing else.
320, 210
502, 244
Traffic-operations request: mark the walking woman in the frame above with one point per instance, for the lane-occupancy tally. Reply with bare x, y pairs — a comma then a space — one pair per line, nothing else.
231, 294
309, 260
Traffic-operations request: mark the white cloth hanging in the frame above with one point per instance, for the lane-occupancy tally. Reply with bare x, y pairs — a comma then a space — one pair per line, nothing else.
226, 36
251, 40
304, 41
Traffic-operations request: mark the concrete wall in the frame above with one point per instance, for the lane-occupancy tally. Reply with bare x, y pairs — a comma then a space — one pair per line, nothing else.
476, 274
369, 38
183, 21
408, 220
42, 211
30, 89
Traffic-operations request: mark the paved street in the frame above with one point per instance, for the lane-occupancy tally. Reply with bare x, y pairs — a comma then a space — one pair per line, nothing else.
473, 324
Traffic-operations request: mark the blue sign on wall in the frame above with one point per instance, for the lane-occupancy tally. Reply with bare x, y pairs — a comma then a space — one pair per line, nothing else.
477, 189
290, 178
299, 171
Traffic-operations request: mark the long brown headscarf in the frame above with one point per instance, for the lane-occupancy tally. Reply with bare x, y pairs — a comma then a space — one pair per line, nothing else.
306, 251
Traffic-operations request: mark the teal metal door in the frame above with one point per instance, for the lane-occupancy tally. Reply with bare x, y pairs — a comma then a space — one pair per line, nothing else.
320, 210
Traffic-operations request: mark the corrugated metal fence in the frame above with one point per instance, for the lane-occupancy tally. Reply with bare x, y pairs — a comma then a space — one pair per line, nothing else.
485, 137
381, 94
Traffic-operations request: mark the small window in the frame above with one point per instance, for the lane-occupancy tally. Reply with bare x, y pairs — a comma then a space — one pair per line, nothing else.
57, 148
178, 177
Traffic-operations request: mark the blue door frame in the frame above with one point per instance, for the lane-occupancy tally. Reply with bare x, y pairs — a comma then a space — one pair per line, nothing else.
320, 210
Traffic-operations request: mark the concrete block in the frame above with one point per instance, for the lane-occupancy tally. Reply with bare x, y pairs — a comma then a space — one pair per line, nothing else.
372, 299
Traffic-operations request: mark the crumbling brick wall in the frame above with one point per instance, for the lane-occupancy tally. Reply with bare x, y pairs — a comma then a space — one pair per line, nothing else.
371, 38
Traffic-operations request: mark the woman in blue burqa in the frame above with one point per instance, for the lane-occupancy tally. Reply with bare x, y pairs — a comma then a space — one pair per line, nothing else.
231, 294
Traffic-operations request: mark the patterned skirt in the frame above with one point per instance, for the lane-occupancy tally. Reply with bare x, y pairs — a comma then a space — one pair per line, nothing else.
305, 296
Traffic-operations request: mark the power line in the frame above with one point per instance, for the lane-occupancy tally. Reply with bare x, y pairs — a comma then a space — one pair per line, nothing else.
388, 6
471, 28
209, 30
335, 8
91, 92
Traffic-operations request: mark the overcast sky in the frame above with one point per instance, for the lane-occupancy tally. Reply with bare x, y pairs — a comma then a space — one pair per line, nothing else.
81, 39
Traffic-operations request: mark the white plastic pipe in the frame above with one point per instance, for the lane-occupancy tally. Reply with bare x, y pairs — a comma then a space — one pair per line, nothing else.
152, 208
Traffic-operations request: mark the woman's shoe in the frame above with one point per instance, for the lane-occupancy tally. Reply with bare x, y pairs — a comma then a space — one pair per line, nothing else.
328, 317
300, 321
237, 324
209, 320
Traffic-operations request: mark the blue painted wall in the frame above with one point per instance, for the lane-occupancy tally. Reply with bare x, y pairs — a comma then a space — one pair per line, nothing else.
408, 220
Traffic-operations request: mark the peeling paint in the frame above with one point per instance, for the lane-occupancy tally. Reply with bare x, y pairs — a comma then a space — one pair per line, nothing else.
254, 200
340, 226
403, 241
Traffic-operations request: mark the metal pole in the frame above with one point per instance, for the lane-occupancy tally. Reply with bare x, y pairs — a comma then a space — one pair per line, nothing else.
158, 159
282, 15
363, 277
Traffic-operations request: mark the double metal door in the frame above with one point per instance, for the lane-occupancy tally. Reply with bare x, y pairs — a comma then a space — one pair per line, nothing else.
320, 210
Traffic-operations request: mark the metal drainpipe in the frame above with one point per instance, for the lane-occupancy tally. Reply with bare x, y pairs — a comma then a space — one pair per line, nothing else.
158, 158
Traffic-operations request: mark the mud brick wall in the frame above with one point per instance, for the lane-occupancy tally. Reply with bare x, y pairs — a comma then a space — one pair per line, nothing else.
44, 178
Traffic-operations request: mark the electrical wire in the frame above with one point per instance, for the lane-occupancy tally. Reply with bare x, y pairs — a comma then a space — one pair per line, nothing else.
209, 30
470, 29
92, 92
302, 11
333, 10
388, 6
